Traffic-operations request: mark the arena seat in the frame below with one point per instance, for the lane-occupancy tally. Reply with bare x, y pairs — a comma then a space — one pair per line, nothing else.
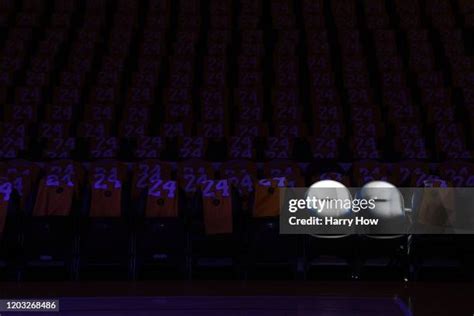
216, 236
161, 235
267, 248
148, 98
50, 233
10, 229
389, 241
106, 242
330, 249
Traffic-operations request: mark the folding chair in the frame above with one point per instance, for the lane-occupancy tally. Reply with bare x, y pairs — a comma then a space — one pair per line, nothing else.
387, 244
330, 249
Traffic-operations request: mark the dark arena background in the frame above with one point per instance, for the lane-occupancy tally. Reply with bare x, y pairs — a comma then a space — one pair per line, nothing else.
143, 144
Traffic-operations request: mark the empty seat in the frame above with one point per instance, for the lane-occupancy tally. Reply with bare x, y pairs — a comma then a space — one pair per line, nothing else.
331, 247
385, 244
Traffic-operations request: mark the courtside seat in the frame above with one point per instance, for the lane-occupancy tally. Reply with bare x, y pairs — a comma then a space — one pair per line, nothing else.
50, 230
9, 231
269, 253
386, 244
161, 237
159, 221
330, 249
215, 228
438, 249
106, 243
